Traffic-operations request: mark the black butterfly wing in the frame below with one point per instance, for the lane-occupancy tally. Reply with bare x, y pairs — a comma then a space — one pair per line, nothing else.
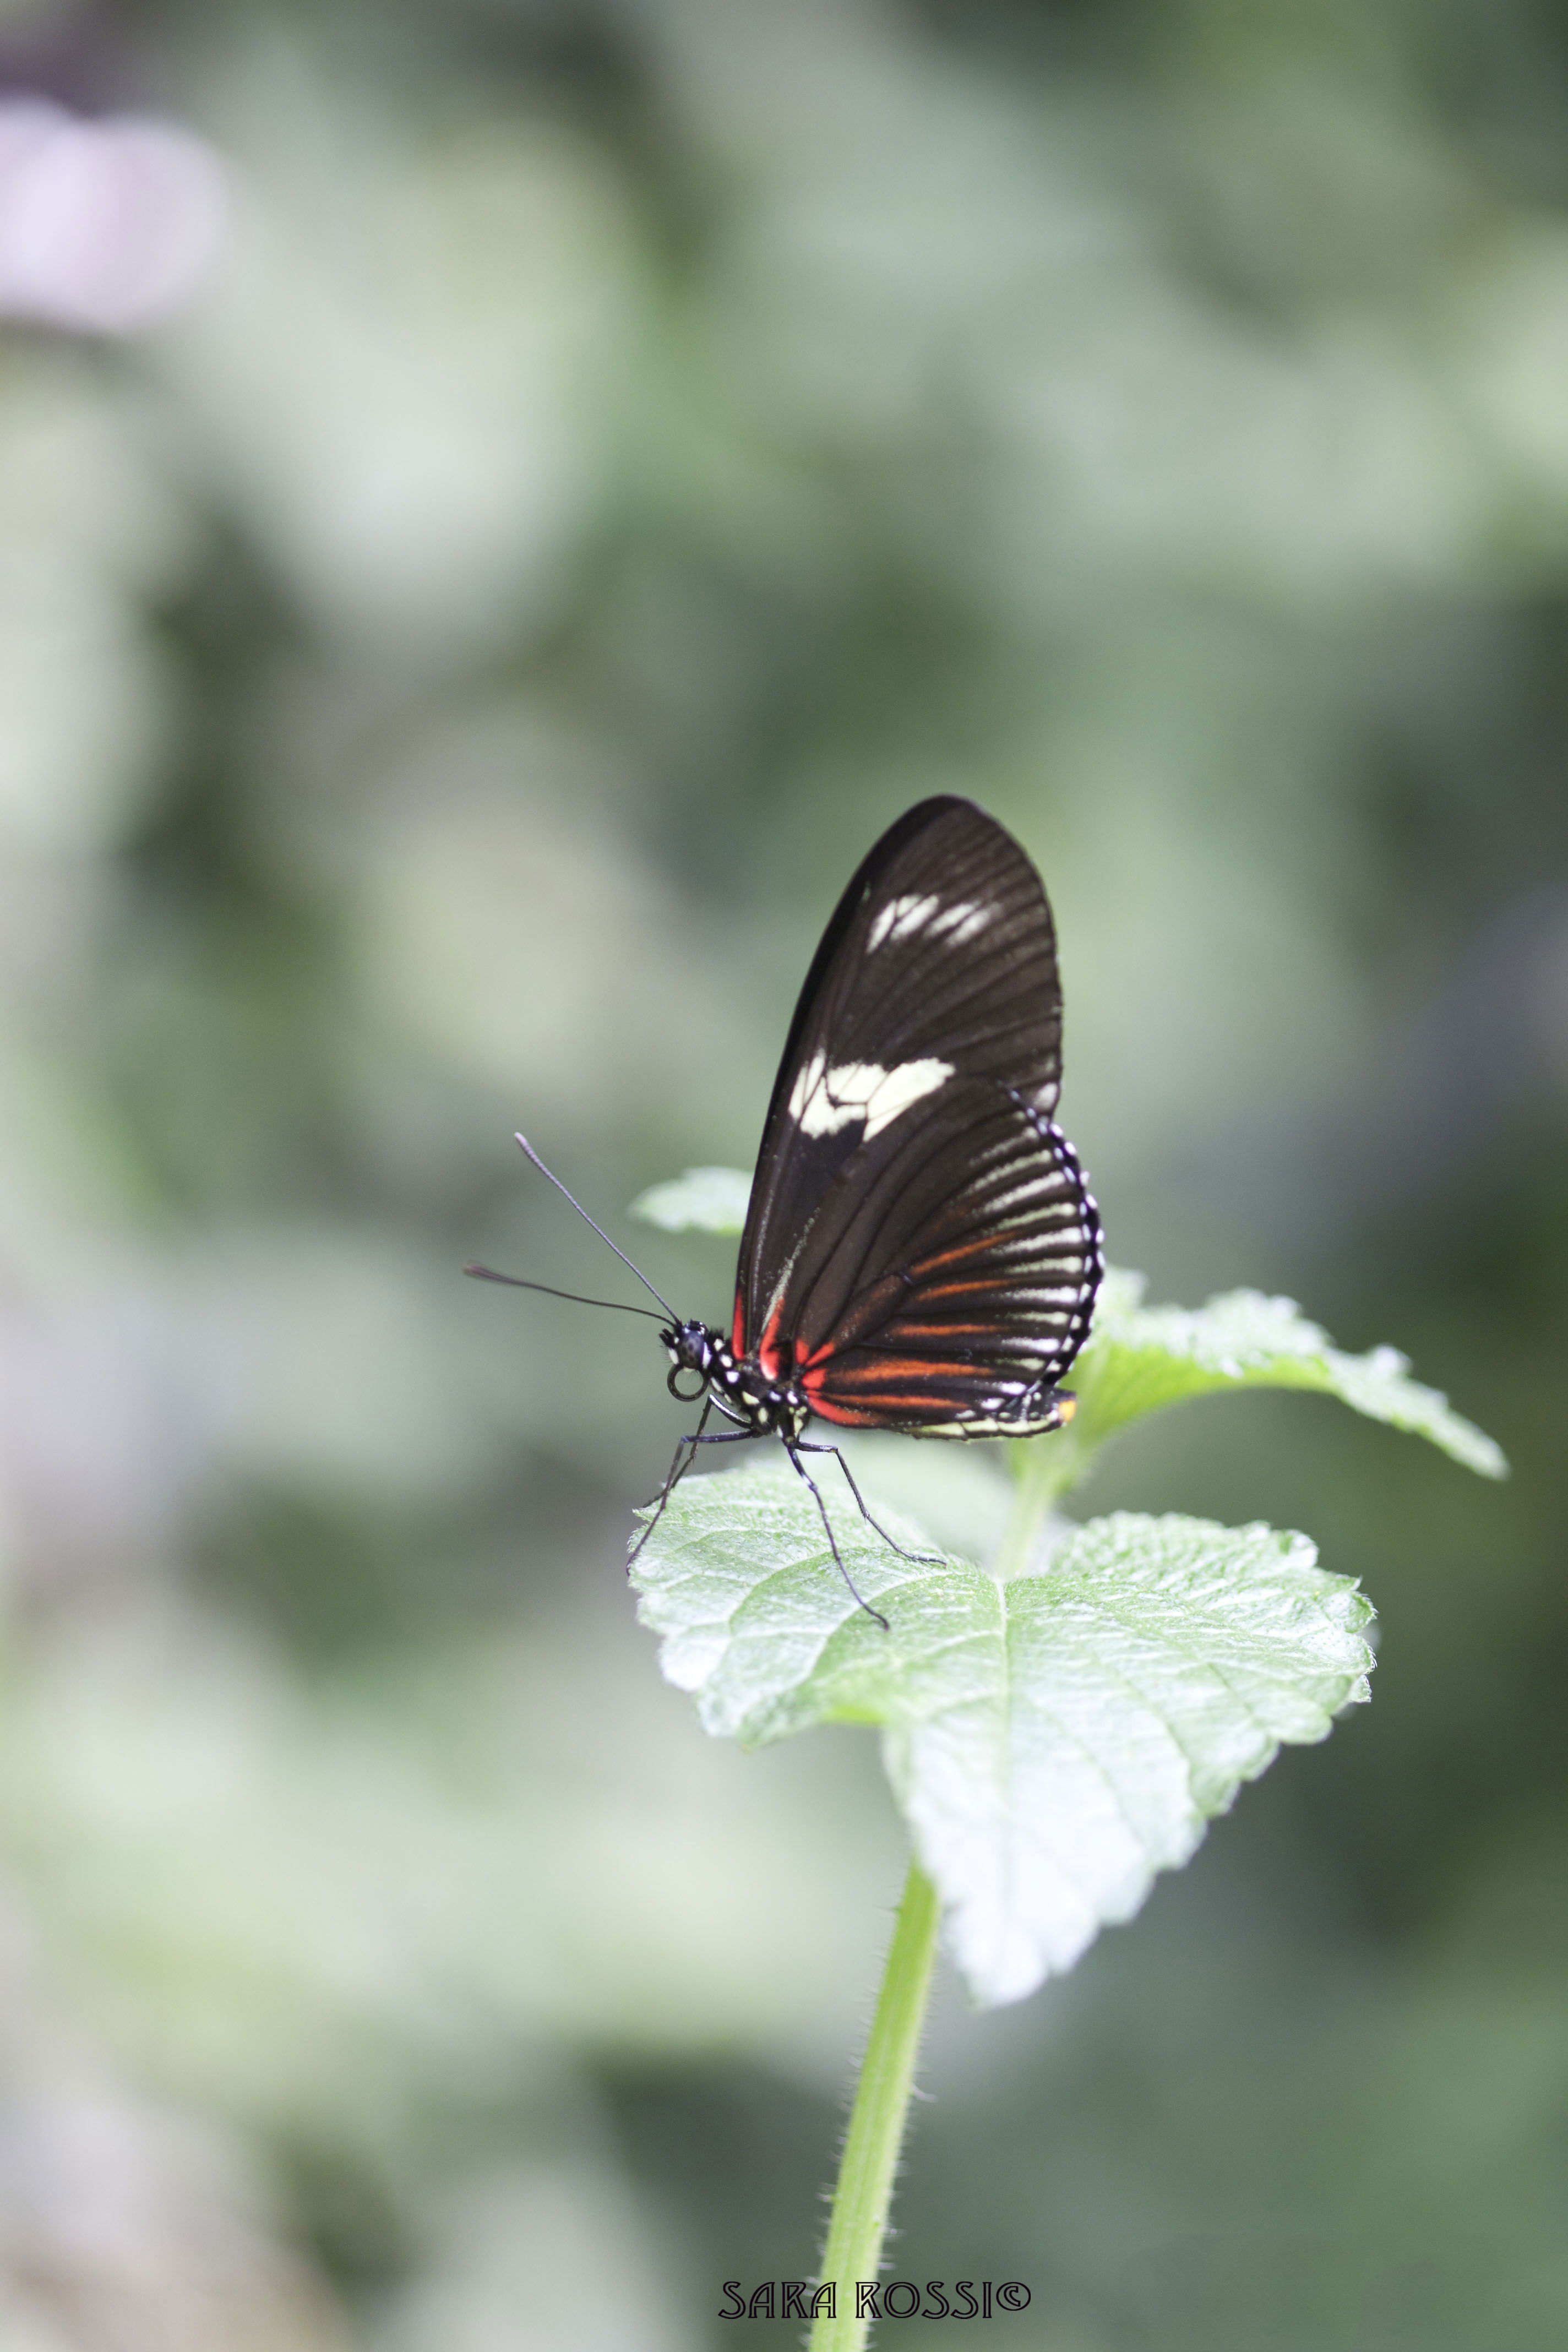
921, 1250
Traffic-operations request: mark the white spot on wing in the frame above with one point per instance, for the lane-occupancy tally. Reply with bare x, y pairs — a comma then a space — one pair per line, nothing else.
962, 921
901, 918
823, 1100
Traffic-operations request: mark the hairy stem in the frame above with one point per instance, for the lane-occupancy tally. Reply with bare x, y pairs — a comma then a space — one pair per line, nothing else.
864, 2190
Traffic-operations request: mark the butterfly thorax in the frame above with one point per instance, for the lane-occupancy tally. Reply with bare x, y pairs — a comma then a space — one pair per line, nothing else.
738, 1383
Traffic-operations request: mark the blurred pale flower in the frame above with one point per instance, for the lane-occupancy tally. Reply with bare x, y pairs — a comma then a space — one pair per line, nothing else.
106, 226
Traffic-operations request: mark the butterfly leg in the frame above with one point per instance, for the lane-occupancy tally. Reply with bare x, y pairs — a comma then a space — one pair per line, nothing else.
677, 1469
933, 1558
828, 1524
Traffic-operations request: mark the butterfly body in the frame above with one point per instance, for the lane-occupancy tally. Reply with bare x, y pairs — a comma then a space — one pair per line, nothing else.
746, 1389
741, 1386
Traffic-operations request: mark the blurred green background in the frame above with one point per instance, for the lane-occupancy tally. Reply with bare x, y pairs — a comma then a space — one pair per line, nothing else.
500, 502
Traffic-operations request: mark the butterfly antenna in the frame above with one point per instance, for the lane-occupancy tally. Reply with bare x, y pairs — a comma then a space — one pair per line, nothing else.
531, 1154
516, 1282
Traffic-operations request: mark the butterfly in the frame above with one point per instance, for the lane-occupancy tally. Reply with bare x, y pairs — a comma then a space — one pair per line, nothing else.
921, 1251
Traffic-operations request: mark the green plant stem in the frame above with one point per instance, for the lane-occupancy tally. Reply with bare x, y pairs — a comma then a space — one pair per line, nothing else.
1044, 1468
864, 2190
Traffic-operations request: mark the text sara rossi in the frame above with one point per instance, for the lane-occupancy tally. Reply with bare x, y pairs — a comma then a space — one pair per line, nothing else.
874, 2299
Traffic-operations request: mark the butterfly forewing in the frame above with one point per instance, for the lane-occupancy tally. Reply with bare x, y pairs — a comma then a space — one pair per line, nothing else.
921, 1250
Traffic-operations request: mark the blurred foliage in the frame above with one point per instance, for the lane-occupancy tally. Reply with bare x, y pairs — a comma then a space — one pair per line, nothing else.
624, 452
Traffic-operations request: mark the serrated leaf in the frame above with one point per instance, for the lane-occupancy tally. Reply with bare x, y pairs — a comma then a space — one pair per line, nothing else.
1143, 1357
702, 1201
1053, 1741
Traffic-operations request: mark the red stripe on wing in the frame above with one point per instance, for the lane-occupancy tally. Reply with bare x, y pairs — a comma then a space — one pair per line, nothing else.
894, 1412
893, 1391
769, 1355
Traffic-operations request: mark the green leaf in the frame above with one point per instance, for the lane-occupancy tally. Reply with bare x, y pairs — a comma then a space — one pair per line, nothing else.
703, 1201
1143, 1357
1053, 1741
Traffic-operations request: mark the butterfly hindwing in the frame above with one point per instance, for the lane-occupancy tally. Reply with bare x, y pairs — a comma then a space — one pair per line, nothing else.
990, 1252
921, 1250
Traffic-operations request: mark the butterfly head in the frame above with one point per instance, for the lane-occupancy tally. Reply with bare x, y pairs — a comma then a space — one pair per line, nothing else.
691, 1348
